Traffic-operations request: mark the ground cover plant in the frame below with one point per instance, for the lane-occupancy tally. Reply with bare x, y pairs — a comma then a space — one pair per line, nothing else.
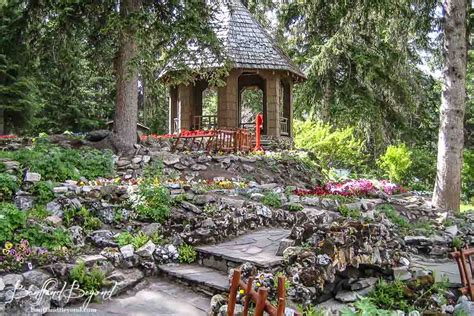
59, 164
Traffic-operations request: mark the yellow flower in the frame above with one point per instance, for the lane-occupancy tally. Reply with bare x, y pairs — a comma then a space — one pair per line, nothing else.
241, 291
258, 284
8, 245
5, 252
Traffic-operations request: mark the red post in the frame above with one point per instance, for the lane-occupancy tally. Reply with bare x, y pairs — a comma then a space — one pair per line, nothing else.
258, 126
261, 300
234, 286
281, 296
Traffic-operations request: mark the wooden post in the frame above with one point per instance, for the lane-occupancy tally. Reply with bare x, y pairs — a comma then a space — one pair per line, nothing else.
234, 286
248, 289
261, 300
281, 296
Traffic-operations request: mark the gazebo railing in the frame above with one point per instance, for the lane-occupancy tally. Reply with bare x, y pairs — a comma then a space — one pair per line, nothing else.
284, 126
249, 126
205, 122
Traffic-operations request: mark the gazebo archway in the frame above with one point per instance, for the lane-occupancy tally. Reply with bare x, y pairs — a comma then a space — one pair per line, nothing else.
246, 81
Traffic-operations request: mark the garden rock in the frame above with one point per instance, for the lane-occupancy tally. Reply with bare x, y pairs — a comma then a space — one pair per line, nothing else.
127, 251
113, 255
238, 310
217, 301
464, 306
106, 214
54, 220
27, 302
191, 207
264, 211
146, 250
91, 260
36, 277
98, 135
120, 280
32, 177
12, 279
24, 201
152, 229
77, 236
103, 238
284, 244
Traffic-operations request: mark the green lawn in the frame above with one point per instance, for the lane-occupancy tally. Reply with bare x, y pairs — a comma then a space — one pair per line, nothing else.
467, 207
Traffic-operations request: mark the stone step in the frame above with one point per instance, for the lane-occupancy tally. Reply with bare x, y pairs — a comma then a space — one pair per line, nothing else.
201, 278
258, 247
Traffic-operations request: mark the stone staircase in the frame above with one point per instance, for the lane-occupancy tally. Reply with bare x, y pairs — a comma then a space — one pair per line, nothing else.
210, 273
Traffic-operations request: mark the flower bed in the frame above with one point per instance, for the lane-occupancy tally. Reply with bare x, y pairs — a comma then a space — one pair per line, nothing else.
360, 187
8, 136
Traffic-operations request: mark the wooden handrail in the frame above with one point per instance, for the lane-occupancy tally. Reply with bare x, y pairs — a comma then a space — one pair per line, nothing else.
260, 297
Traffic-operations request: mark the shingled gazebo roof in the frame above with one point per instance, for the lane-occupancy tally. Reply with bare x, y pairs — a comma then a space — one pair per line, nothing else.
246, 43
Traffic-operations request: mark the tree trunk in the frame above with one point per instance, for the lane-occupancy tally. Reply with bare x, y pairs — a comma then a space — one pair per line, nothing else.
126, 101
447, 189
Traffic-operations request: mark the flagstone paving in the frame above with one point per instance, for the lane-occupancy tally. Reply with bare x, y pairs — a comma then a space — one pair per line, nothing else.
159, 297
259, 247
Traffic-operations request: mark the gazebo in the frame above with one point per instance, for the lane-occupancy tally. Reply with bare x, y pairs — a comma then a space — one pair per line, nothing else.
257, 63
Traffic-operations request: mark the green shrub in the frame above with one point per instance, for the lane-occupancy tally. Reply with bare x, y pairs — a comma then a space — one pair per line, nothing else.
11, 219
365, 306
43, 192
59, 164
349, 212
155, 201
137, 240
14, 228
51, 239
271, 199
8, 186
468, 177
83, 217
90, 281
295, 207
331, 147
124, 238
396, 162
422, 172
390, 296
187, 253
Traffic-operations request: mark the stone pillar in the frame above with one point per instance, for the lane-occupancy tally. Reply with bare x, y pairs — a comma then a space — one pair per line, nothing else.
272, 85
185, 108
228, 101
173, 108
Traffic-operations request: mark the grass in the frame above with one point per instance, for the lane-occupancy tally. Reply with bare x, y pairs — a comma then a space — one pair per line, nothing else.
467, 207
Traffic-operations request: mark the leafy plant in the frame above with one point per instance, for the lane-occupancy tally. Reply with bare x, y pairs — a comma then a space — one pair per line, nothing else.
39, 212
52, 238
468, 177
422, 172
43, 192
457, 243
154, 201
90, 281
365, 306
271, 199
349, 212
124, 238
295, 207
187, 253
396, 162
137, 240
59, 164
81, 216
330, 147
390, 296
11, 219
8, 186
